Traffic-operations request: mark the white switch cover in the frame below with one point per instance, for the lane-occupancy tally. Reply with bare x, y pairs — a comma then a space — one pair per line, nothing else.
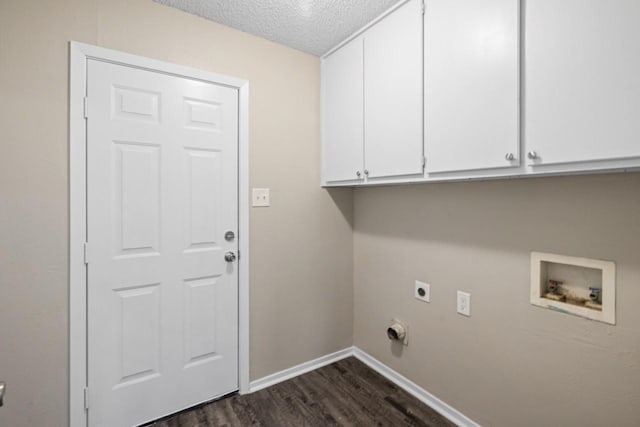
260, 197
464, 303
425, 294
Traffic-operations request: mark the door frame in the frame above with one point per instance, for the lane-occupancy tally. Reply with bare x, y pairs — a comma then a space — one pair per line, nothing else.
80, 53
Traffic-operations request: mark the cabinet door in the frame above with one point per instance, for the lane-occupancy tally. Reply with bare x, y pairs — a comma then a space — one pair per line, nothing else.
393, 93
582, 80
471, 84
342, 114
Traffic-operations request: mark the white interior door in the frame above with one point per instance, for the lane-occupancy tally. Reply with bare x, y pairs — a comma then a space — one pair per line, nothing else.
162, 193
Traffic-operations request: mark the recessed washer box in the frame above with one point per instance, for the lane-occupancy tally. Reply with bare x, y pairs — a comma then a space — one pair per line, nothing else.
580, 286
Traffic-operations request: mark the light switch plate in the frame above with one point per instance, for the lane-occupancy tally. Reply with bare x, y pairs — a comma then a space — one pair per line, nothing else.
464, 303
260, 197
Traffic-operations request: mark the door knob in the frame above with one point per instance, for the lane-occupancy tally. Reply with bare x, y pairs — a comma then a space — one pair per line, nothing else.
229, 257
532, 155
3, 386
358, 174
510, 156
229, 236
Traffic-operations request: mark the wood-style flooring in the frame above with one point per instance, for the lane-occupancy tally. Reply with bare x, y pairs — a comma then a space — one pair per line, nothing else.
345, 393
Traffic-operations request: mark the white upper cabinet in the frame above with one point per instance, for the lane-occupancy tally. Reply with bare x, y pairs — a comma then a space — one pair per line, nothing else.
342, 114
582, 83
471, 84
393, 94
510, 88
372, 102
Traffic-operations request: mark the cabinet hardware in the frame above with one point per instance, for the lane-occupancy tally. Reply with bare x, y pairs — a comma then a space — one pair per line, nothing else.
85, 250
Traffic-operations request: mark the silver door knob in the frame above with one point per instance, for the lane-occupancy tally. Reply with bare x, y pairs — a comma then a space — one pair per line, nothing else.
3, 387
229, 257
532, 155
358, 174
366, 172
229, 236
510, 156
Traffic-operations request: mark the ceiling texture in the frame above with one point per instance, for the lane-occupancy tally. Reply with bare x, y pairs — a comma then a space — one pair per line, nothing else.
312, 26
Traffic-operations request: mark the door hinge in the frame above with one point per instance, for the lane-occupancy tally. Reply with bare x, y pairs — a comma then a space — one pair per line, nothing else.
238, 254
424, 162
86, 398
86, 253
86, 107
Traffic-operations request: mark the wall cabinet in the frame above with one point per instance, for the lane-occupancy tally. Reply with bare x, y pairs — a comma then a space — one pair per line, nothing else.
582, 68
372, 102
508, 91
342, 114
393, 94
471, 84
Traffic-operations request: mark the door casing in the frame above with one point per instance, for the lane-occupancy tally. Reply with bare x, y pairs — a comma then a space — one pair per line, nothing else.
80, 53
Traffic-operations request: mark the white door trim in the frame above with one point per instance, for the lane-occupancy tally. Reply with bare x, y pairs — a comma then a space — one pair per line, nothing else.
79, 55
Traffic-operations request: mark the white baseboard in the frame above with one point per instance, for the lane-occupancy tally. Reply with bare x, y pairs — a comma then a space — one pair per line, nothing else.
300, 369
404, 383
415, 390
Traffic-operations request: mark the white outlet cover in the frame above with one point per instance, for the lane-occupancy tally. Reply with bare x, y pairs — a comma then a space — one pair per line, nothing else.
427, 291
464, 303
260, 197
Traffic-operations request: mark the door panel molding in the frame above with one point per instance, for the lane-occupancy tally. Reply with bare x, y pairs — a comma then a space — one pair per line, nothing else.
79, 55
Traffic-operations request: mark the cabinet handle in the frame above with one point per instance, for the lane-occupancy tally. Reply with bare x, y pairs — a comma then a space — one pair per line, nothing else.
510, 156
366, 172
358, 174
532, 155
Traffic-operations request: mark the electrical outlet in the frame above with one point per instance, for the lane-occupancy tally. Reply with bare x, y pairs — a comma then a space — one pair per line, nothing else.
464, 303
422, 291
260, 197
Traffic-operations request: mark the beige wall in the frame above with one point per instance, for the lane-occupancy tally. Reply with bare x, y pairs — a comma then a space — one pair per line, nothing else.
510, 363
301, 268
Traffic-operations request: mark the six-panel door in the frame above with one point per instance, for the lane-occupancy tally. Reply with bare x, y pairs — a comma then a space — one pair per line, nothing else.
162, 192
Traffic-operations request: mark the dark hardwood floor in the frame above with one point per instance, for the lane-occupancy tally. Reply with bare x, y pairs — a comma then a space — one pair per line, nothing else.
346, 393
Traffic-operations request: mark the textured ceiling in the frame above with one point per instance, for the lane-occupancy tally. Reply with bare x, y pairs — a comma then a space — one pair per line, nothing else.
313, 26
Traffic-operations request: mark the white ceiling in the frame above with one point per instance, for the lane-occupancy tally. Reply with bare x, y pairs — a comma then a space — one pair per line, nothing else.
313, 26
